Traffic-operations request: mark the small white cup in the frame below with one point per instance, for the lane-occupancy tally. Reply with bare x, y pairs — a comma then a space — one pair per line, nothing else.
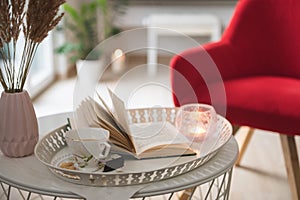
87, 142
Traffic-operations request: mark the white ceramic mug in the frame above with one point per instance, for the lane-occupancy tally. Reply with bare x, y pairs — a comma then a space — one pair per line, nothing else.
86, 142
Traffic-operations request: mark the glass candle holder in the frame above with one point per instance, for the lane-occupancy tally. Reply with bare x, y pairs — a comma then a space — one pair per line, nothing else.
196, 121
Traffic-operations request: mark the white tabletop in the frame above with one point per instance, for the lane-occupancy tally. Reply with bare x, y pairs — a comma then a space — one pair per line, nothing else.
29, 174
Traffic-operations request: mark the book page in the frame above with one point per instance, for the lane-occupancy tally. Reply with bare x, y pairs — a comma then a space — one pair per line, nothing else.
110, 113
104, 115
120, 111
80, 119
151, 135
90, 114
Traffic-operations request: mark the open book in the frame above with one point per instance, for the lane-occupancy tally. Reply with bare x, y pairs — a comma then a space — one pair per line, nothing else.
142, 140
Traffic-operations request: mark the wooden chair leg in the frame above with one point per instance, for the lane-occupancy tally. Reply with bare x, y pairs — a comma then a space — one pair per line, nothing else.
244, 146
187, 194
291, 163
235, 129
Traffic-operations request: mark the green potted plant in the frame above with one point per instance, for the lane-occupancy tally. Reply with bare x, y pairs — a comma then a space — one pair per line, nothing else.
87, 31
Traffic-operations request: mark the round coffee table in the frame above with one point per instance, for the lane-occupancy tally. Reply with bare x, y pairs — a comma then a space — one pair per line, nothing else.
30, 177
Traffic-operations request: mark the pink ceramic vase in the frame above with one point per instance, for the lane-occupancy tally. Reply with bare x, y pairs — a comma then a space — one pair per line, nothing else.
18, 125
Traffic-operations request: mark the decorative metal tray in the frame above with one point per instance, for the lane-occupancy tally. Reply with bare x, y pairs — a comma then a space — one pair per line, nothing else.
52, 149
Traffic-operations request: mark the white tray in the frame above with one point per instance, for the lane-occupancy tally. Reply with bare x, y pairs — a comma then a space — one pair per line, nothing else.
52, 150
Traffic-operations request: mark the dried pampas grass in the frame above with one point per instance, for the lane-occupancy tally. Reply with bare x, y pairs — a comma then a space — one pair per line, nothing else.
36, 18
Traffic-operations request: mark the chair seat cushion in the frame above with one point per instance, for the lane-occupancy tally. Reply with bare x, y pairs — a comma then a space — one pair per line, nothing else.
271, 103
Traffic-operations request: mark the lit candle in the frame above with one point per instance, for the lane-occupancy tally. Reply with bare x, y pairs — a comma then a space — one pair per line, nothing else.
118, 61
197, 133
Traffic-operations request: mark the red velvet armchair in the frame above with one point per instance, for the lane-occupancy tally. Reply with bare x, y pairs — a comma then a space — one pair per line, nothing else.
258, 85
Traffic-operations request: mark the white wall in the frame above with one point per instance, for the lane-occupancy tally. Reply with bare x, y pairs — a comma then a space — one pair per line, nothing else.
136, 12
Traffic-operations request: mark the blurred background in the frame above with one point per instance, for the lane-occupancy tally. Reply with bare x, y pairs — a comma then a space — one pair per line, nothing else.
143, 74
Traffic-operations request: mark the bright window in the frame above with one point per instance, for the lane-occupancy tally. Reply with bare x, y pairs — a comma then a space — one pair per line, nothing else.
42, 70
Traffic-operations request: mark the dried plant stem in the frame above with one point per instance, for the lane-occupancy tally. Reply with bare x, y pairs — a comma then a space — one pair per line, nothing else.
2, 81
35, 18
14, 63
25, 57
9, 67
10, 64
1, 73
32, 51
23, 60
5, 66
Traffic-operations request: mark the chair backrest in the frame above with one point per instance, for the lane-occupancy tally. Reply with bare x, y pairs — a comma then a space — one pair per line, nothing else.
266, 36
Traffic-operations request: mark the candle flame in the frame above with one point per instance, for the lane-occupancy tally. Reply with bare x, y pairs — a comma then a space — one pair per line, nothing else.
118, 53
198, 130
